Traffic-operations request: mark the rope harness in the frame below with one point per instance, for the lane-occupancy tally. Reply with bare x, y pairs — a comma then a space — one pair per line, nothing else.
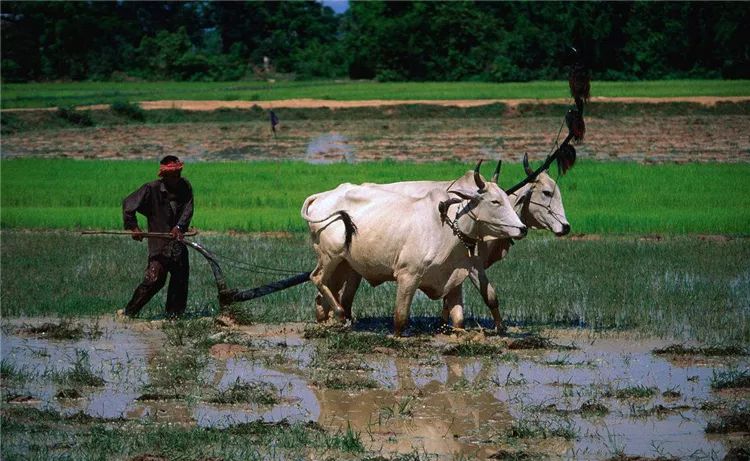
469, 242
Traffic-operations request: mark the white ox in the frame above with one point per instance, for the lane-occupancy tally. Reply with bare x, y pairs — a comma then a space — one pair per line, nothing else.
384, 235
539, 206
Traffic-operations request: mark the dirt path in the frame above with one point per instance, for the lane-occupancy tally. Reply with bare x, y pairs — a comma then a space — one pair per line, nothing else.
307, 103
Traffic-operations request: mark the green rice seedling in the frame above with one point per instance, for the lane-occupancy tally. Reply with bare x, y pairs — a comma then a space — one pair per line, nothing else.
82, 437
239, 392
80, 374
525, 428
348, 441
176, 371
679, 288
79, 93
10, 372
189, 332
602, 197
239, 314
634, 392
348, 381
730, 379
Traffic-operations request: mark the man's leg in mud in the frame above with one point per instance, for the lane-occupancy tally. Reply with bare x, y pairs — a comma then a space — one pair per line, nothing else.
179, 275
153, 281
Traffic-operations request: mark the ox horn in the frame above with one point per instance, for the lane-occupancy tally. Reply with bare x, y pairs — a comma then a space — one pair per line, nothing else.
496, 174
478, 177
526, 166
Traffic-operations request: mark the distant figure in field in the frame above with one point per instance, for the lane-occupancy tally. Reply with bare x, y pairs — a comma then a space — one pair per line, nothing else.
167, 204
274, 121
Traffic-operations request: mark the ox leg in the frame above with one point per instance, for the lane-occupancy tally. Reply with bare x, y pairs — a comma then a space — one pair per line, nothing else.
335, 283
321, 277
480, 280
407, 286
347, 293
453, 307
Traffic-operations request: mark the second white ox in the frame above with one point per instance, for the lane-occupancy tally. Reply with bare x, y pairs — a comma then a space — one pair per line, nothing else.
384, 235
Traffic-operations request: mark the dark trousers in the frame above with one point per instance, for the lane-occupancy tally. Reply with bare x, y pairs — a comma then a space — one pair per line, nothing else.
177, 265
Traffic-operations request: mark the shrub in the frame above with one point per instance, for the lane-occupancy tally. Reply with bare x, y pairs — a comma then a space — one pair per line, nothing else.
76, 117
128, 110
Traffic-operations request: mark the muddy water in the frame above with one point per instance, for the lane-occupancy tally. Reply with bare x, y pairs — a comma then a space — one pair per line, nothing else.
444, 405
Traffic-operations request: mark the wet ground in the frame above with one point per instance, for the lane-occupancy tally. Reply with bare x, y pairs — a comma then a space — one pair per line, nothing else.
689, 138
559, 393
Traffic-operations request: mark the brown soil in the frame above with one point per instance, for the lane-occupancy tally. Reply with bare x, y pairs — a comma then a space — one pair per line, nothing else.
644, 138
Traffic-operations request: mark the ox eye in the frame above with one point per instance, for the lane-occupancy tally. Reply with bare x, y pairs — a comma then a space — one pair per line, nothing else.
497, 202
547, 193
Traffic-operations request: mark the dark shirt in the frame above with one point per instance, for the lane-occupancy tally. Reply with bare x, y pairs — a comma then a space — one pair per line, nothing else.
163, 208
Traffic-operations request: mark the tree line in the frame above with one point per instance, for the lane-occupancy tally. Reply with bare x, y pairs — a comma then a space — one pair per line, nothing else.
388, 41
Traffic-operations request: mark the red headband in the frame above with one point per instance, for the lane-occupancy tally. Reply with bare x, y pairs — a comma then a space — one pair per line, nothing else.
174, 167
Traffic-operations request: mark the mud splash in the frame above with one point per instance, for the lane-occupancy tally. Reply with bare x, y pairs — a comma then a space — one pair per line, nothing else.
536, 400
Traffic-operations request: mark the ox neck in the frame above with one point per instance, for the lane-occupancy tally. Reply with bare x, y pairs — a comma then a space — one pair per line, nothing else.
517, 198
462, 225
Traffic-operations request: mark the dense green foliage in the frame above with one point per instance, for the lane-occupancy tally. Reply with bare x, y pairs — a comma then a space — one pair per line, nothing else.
438, 41
30, 95
684, 287
612, 197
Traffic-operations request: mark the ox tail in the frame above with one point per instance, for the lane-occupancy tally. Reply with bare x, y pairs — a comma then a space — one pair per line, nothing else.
349, 227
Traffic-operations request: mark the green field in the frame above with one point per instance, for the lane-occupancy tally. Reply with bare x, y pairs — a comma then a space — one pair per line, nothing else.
611, 197
681, 287
79, 93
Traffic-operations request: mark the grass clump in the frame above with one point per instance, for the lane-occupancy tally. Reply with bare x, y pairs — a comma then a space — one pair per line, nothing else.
75, 117
80, 374
129, 110
65, 330
473, 349
720, 351
730, 379
632, 392
82, 437
737, 420
346, 381
238, 314
9, 371
176, 370
593, 408
239, 392
189, 332
534, 429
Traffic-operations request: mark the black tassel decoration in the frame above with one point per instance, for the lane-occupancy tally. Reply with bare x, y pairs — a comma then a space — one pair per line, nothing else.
576, 125
565, 157
579, 81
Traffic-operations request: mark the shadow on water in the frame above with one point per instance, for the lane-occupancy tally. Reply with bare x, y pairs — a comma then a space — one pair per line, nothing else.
445, 405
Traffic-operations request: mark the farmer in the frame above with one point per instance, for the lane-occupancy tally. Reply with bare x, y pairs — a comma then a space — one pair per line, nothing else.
167, 204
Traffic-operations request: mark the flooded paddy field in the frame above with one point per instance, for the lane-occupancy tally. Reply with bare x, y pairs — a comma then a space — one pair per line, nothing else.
207, 389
